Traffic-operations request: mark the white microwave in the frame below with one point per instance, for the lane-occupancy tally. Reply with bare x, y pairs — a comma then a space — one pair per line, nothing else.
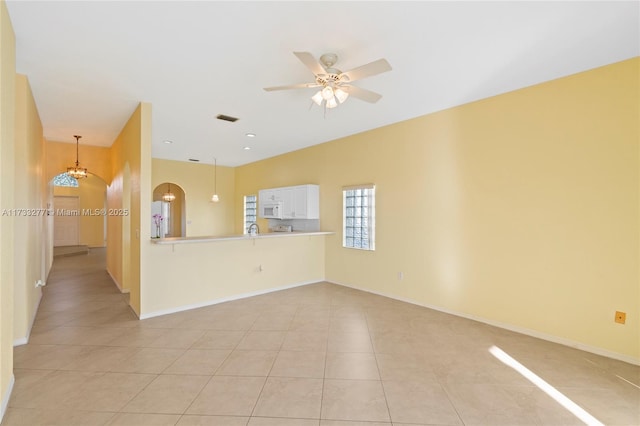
271, 210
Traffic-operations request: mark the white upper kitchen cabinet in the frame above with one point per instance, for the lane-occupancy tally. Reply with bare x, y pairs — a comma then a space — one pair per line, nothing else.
268, 195
305, 202
298, 202
287, 196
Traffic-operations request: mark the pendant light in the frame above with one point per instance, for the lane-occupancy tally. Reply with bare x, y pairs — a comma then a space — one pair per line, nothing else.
76, 171
168, 196
215, 197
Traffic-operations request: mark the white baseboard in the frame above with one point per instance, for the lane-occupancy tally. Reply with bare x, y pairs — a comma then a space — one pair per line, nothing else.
522, 330
223, 299
117, 283
20, 341
6, 397
25, 339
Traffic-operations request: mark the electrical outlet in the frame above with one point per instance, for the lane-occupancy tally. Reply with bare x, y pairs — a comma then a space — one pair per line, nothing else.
400, 276
621, 317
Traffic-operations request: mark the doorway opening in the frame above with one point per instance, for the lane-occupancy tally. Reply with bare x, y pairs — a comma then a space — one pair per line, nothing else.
79, 214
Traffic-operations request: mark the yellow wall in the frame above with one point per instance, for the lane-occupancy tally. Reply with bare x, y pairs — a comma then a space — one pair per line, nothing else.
30, 242
91, 193
521, 210
7, 132
115, 240
204, 218
96, 159
130, 189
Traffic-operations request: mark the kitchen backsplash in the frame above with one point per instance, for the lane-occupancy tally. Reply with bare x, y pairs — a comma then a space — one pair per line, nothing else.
299, 225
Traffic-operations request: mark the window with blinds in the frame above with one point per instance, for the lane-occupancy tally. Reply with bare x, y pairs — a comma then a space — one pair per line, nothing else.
250, 211
358, 217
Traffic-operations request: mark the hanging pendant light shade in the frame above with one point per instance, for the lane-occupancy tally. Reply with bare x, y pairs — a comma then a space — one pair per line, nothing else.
317, 98
327, 93
168, 196
76, 171
341, 95
330, 95
215, 197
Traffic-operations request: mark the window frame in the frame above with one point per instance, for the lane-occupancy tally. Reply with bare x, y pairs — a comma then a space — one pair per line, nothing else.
65, 180
244, 212
370, 216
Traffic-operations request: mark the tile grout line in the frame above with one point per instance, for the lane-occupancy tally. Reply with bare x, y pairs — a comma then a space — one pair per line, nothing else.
265, 379
375, 355
326, 356
245, 332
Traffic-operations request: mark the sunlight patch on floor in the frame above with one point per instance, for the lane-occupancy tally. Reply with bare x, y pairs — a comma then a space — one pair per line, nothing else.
631, 383
558, 396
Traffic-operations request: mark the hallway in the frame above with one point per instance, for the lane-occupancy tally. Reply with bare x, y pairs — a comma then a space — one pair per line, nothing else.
321, 355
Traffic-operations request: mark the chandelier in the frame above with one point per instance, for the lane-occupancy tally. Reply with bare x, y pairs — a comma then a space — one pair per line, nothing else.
168, 196
77, 171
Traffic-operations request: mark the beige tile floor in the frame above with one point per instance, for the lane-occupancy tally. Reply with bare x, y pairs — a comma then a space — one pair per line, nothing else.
321, 355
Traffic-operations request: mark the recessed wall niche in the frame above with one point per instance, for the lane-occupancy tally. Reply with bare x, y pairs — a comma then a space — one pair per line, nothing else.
172, 212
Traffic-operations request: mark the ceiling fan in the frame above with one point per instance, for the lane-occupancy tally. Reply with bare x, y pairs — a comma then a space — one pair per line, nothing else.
334, 84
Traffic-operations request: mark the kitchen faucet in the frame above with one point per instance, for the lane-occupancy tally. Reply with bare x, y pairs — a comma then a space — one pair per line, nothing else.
252, 231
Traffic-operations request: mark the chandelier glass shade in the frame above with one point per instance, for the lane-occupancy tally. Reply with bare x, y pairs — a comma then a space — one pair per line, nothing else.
76, 171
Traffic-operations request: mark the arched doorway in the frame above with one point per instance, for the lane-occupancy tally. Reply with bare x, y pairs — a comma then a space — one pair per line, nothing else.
172, 214
79, 210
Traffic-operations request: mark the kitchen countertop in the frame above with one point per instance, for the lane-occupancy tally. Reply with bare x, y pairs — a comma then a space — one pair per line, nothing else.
187, 240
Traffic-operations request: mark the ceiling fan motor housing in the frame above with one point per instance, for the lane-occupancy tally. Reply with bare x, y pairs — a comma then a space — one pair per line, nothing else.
332, 80
328, 60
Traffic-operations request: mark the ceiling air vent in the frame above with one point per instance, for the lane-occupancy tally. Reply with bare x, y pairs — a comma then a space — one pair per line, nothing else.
194, 160
226, 118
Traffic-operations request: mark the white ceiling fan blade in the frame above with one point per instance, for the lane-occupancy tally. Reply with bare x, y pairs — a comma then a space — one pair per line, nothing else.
362, 94
310, 62
372, 68
291, 86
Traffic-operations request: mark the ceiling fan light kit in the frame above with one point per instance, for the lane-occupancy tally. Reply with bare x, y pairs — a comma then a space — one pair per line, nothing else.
317, 98
333, 83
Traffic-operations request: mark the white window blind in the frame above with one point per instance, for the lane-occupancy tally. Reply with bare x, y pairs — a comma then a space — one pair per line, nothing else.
358, 224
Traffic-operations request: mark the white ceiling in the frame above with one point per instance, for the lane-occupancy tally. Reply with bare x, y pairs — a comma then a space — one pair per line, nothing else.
90, 63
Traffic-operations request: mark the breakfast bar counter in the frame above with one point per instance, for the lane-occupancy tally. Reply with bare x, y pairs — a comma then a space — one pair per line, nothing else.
192, 272
188, 240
